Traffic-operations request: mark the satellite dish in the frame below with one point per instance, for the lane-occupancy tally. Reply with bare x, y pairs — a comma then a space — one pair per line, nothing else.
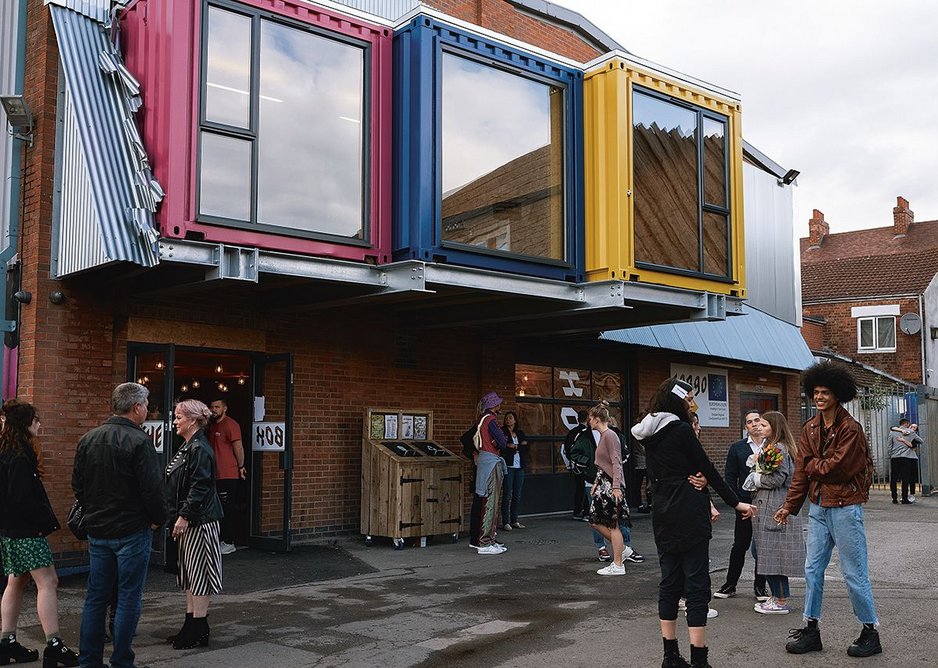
910, 323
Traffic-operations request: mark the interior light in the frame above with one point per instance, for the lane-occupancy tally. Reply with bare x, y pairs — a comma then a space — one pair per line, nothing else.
196, 384
159, 364
219, 369
184, 388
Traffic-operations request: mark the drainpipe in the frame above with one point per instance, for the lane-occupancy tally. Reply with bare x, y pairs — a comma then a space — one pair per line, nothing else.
16, 185
921, 319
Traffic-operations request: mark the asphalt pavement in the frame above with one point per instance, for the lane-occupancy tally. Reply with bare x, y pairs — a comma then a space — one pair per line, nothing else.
539, 604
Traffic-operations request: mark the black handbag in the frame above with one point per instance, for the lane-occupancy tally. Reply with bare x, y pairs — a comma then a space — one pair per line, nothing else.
76, 521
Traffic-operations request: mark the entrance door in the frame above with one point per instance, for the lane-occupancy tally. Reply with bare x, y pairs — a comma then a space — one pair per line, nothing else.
270, 441
152, 365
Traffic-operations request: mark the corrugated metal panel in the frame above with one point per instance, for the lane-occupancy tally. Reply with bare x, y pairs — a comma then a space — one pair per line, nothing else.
755, 337
96, 10
78, 239
103, 95
388, 9
9, 40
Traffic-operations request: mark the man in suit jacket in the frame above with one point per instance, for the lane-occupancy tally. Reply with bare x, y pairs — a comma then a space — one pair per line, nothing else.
735, 474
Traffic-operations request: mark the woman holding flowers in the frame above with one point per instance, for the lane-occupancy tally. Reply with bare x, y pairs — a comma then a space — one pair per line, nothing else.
780, 547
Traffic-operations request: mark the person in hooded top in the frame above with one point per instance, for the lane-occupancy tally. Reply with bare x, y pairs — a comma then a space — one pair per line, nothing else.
681, 516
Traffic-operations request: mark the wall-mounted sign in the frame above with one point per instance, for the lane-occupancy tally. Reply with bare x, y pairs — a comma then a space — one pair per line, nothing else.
156, 429
710, 386
269, 437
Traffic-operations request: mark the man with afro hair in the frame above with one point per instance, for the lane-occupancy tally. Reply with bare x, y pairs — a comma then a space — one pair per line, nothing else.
834, 472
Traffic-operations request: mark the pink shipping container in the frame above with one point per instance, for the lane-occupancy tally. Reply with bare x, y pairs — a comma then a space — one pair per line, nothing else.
162, 44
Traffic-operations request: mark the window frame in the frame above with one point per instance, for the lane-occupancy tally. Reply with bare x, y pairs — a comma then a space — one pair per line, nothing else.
875, 348
566, 261
256, 15
703, 207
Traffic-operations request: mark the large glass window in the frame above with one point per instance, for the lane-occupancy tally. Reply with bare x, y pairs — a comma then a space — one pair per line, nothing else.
681, 195
548, 399
502, 160
284, 127
876, 334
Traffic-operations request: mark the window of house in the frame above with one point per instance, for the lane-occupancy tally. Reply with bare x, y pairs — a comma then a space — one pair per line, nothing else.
502, 163
282, 141
548, 399
681, 186
877, 334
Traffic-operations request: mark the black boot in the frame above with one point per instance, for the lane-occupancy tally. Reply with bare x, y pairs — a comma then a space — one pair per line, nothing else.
11, 650
672, 655
804, 640
698, 657
57, 654
196, 635
181, 632
867, 644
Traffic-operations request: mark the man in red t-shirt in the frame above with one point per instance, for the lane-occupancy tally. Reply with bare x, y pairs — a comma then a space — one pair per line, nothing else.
225, 436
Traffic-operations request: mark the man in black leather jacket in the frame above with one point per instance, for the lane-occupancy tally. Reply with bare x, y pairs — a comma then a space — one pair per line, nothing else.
735, 475
118, 481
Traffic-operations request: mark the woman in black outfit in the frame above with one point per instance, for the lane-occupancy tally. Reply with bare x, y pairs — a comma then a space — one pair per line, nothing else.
516, 459
194, 503
681, 516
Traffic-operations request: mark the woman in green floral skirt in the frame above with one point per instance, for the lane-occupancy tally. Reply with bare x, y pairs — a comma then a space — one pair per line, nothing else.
26, 518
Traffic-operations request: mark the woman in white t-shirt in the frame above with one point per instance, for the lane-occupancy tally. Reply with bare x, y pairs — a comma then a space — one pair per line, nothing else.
516, 456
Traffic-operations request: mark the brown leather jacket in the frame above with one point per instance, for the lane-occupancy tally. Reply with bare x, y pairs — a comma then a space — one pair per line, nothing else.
839, 473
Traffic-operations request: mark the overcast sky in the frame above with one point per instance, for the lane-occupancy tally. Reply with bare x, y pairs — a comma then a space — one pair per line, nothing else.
846, 92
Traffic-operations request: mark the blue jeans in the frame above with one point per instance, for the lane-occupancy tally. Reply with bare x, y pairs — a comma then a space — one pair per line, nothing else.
842, 527
125, 561
511, 495
778, 584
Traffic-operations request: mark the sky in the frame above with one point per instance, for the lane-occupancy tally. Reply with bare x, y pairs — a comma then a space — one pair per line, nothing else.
846, 92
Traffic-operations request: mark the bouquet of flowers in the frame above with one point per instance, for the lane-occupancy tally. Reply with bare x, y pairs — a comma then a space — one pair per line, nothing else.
768, 459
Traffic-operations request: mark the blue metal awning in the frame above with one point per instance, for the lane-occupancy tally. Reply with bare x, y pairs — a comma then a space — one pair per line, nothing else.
756, 337
104, 96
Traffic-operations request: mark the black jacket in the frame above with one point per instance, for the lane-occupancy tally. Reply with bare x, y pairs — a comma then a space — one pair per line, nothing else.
190, 483
25, 511
736, 471
117, 479
680, 513
509, 453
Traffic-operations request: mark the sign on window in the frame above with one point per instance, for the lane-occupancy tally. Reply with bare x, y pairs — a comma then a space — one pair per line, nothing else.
156, 429
269, 437
710, 386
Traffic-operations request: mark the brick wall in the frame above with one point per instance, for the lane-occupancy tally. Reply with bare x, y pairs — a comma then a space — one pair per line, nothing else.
502, 17
840, 335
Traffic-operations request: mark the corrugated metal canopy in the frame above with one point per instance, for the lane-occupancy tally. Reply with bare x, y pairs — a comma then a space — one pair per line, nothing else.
756, 337
104, 96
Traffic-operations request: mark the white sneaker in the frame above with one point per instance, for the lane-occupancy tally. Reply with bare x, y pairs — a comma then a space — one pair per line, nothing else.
911, 498
227, 548
491, 549
507, 527
772, 607
612, 569
711, 613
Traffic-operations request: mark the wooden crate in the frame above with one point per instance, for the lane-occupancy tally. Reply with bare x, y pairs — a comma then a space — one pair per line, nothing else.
411, 487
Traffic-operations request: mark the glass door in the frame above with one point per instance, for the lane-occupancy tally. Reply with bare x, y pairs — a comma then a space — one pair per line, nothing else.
270, 441
152, 365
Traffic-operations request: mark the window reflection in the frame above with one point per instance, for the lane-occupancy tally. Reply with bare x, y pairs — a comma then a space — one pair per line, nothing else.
228, 70
225, 177
714, 162
502, 163
665, 173
310, 138
715, 251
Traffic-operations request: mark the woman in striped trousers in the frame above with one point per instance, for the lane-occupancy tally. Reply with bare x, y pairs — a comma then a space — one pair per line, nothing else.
195, 510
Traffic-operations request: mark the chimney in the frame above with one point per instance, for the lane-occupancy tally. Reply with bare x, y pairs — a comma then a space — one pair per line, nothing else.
902, 216
817, 229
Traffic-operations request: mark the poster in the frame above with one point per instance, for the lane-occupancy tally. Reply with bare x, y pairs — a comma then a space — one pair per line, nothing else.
377, 426
420, 427
712, 392
390, 426
407, 427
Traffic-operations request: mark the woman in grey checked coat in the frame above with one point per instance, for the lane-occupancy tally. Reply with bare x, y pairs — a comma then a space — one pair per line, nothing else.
780, 547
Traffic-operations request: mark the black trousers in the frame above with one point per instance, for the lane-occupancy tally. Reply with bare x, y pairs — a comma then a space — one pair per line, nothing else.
685, 574
475, 519
901, 471
742, 539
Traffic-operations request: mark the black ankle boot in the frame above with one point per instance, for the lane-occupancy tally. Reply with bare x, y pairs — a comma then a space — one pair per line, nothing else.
867, 644
672, 655
11, 650
196, 635
56, 654
804, 640
185, 625
698, 657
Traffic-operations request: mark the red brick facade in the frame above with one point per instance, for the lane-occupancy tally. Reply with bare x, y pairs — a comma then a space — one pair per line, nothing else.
72, 354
